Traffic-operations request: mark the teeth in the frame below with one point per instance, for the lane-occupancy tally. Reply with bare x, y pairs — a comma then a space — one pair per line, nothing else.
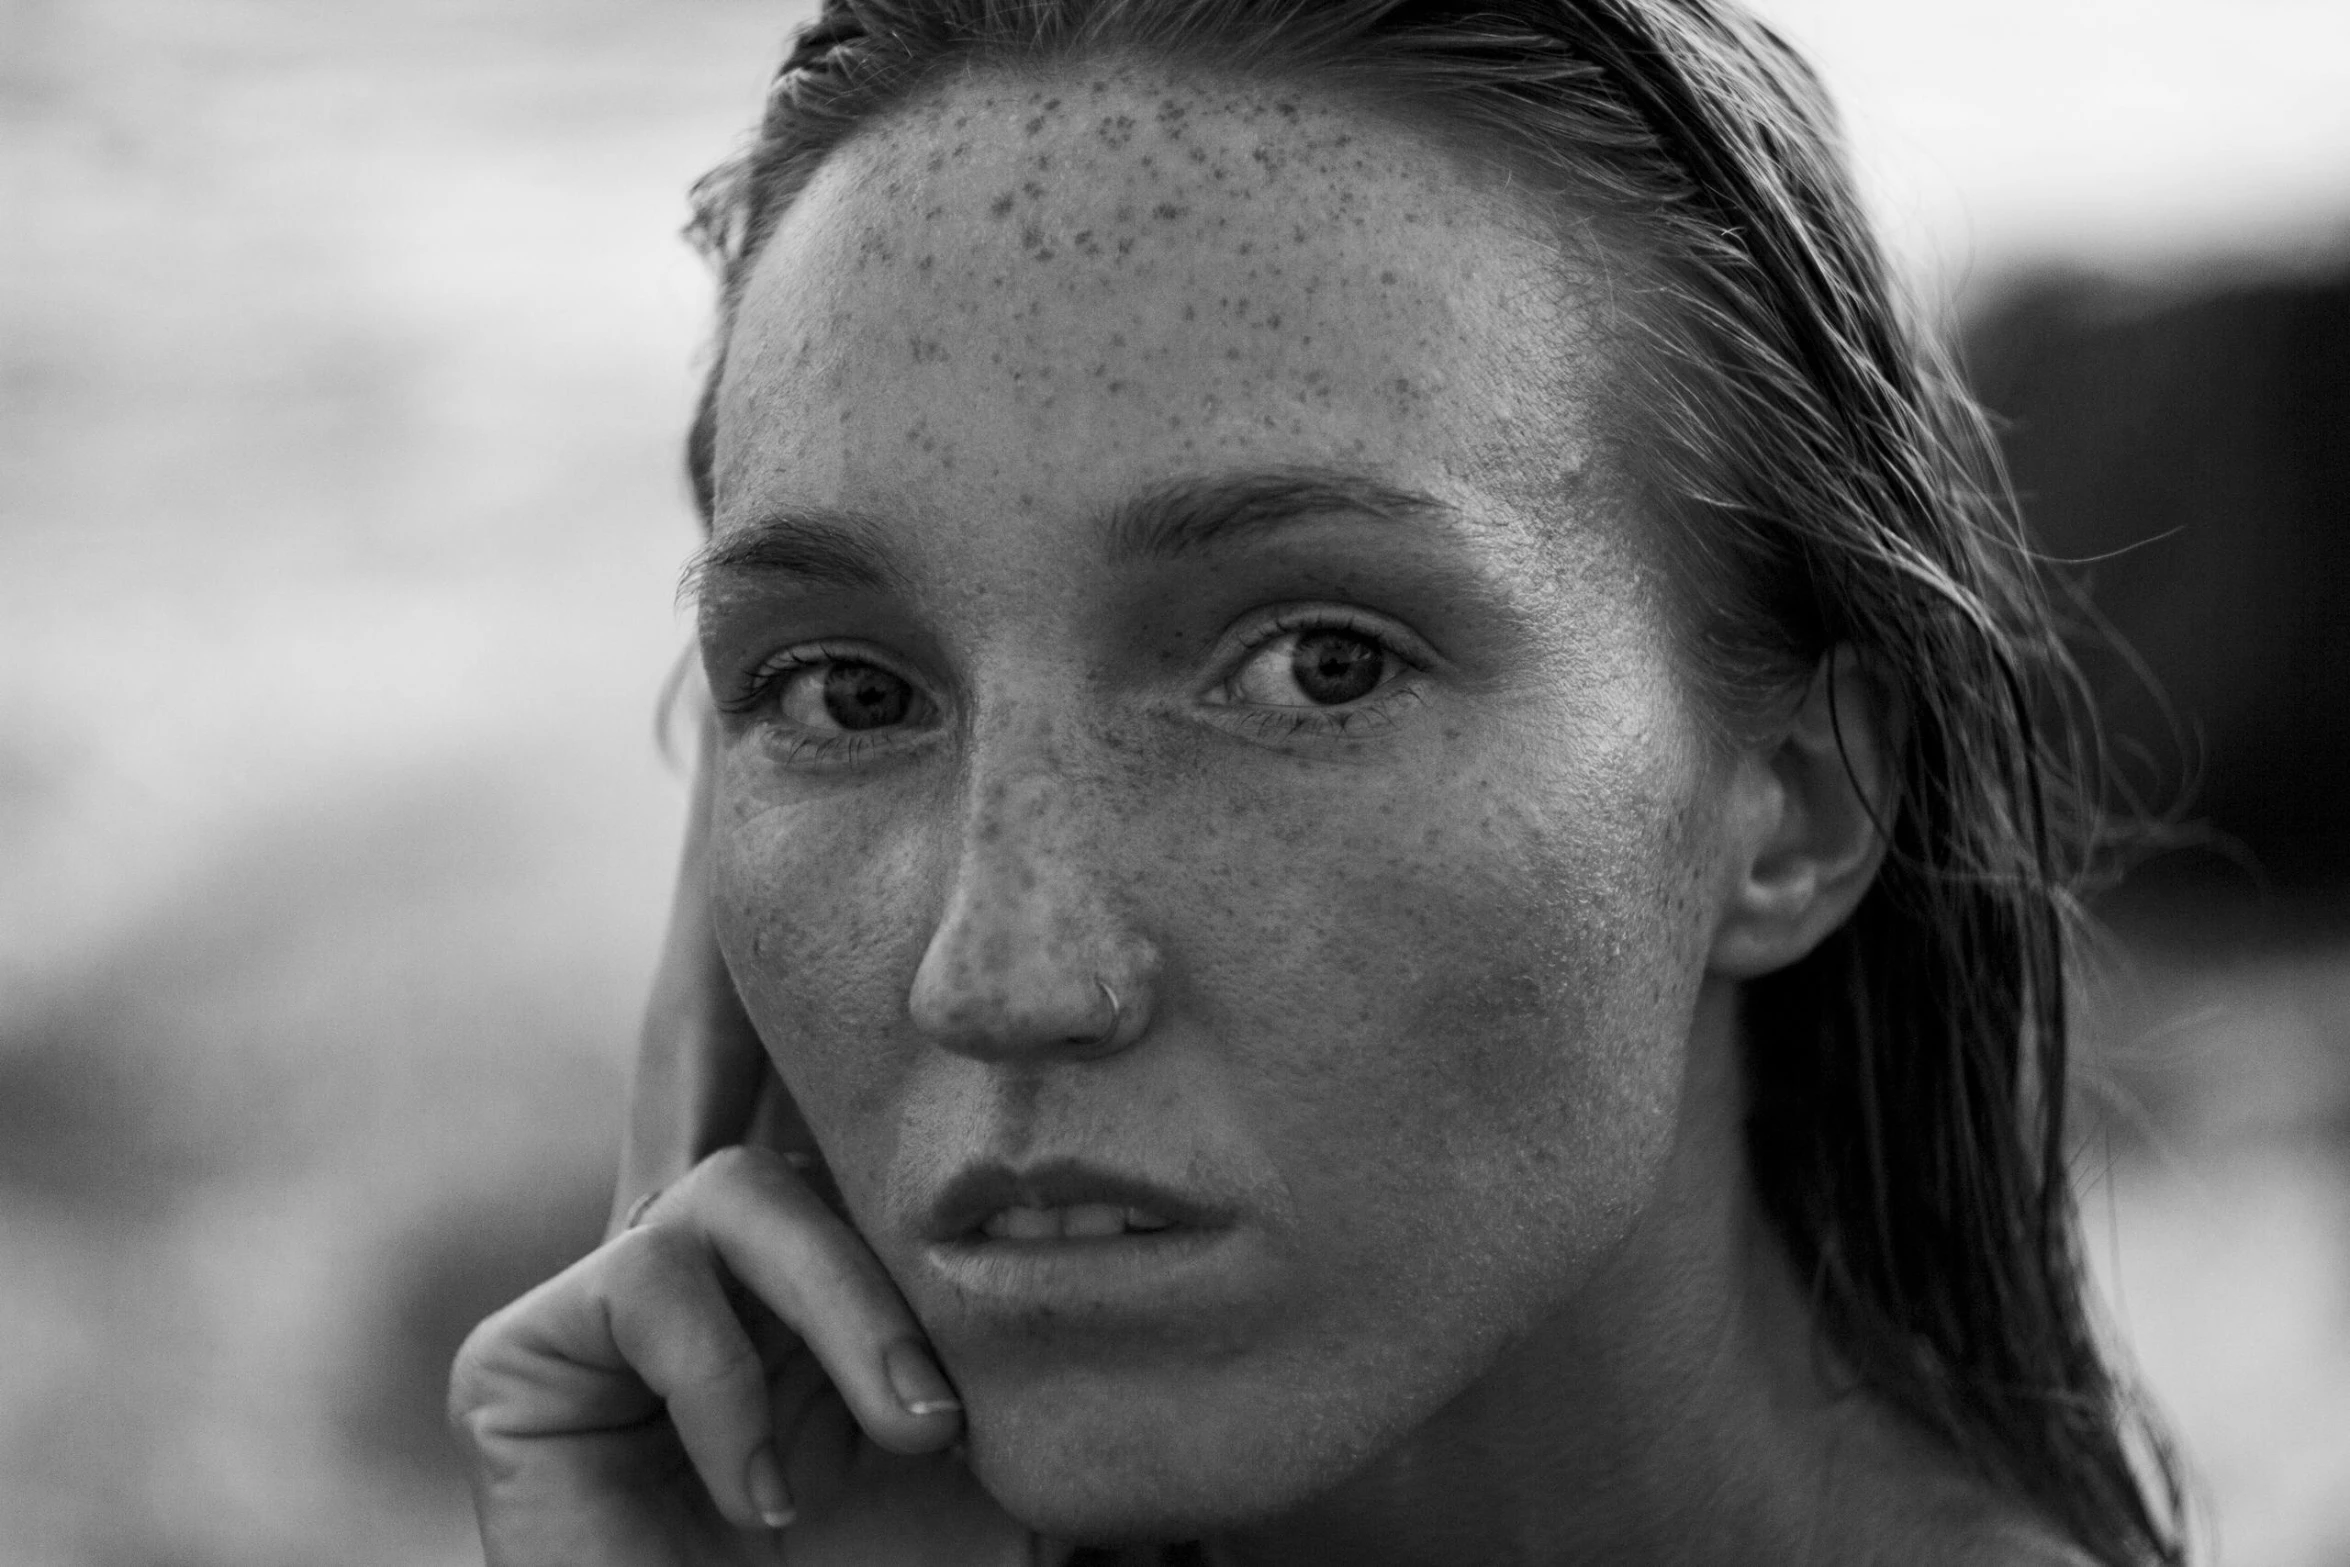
1092, 1221
1080, 1222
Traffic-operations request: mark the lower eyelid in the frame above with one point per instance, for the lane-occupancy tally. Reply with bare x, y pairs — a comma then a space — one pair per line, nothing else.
1375, 712
842, 749
1273, 723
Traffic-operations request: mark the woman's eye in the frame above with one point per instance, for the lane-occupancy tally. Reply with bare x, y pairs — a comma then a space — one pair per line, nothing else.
841, 695
1323, 666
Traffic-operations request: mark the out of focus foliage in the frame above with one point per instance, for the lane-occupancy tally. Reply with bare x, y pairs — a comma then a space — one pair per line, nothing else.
2188, 442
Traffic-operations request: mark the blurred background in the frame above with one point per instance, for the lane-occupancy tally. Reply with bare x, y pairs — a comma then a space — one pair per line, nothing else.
344, 352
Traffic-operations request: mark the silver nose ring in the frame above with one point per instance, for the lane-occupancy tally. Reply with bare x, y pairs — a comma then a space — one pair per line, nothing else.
1117, 1015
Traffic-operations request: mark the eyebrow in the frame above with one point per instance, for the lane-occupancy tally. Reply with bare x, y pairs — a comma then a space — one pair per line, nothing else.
1194, 516
821, 545
824, 546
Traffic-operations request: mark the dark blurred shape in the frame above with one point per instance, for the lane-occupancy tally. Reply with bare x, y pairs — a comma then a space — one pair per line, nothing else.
454, 1266
2190, 444
79, 1133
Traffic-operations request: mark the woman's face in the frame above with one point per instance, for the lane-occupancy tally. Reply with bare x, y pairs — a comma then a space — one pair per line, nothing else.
1162, 549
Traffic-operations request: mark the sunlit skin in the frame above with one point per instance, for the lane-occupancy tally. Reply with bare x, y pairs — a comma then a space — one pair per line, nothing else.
1209, 819
1165, 548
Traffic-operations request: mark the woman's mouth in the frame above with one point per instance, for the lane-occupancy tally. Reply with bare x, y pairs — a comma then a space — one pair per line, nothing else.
1061, 1200
1089, 1250
1085, 1221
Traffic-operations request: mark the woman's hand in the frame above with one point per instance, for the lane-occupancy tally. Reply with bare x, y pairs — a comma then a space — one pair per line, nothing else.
734, 1379
733, 1354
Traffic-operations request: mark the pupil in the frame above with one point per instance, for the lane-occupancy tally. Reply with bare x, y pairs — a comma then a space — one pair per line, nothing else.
860, 696
1334, 667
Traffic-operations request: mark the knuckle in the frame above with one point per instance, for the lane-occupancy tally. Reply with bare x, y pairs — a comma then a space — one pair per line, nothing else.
726, 1164
726, 1363
476, 1379
467, 1420
651, 1252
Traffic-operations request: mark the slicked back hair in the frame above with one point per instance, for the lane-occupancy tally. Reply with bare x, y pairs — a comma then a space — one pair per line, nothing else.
1820, 480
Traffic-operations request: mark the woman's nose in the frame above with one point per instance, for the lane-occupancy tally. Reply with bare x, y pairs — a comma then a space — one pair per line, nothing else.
1032, 958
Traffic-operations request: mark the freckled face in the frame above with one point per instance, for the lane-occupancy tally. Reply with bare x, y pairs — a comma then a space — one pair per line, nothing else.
1162, 552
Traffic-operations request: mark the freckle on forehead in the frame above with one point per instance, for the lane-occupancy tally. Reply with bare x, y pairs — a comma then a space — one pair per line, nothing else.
1202, 259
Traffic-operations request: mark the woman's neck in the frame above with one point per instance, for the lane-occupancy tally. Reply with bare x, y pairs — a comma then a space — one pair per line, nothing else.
1683, 1410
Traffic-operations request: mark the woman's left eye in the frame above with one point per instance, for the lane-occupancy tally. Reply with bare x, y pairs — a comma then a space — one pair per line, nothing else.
1315, 666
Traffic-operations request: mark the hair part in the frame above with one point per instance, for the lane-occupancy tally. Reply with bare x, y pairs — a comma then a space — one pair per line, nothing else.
1824, 481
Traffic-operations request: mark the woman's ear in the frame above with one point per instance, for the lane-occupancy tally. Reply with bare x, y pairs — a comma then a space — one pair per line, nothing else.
1811, 808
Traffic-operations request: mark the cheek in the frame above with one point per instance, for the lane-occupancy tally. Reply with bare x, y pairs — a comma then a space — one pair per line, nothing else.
1470, 1008
813, 907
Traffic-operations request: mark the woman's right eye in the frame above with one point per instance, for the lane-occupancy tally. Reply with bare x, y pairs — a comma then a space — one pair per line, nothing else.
843, 696
823, 703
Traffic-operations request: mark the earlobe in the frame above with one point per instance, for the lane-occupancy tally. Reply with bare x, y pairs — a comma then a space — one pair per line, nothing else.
1811, 808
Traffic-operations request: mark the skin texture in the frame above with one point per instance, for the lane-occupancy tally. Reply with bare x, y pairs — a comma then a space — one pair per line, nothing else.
1436, 997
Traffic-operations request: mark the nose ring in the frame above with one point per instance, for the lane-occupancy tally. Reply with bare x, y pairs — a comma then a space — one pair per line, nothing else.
1117, 1014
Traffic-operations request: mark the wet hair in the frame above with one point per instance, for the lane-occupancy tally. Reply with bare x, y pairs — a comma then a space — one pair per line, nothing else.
1821, 480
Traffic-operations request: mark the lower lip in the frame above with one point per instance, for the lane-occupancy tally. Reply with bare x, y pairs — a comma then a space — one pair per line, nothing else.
1142, 1273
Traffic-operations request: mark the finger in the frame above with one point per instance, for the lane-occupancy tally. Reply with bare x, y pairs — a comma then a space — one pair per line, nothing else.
700, 1065
557, 1390
670, 1320
823, 1281
814, 1432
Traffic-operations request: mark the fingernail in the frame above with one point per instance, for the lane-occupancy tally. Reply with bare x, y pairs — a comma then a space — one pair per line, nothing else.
764, 1480
917, 1381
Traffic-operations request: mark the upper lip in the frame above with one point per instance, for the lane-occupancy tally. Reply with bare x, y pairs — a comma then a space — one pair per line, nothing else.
979, 1191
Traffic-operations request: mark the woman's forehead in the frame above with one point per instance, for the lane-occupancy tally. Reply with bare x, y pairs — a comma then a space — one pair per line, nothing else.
1109, 276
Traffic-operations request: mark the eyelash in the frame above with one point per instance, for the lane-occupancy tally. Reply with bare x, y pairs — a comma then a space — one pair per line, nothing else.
1373, 710
762, 689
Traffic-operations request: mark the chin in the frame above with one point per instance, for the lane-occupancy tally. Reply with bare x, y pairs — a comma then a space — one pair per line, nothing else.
1122, 1458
